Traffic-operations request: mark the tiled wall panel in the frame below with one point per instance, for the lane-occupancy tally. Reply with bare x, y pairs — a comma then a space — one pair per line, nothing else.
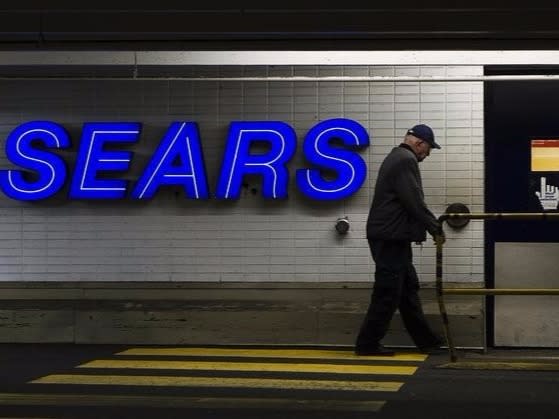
173, 239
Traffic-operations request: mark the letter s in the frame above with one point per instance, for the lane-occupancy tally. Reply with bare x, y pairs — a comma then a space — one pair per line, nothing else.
50, 169
350, 168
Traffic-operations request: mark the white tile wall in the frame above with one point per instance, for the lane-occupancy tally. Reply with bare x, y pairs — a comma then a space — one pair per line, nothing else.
173, 239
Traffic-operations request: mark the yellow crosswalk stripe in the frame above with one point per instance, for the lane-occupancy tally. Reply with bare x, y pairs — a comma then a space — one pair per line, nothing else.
268, 353
187, 402
252, 366
229, 382
271, 360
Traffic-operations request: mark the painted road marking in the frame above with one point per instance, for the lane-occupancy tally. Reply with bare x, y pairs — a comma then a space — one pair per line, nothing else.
344, 363
268, 353
188, 402
251, 366
237, 382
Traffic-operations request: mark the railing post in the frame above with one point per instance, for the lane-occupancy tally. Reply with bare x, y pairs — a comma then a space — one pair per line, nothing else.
439, 285
439, 267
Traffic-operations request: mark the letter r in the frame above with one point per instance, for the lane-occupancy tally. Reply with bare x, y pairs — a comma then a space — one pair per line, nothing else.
238, 160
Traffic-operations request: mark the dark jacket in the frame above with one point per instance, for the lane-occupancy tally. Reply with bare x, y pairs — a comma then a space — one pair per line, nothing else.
398, 211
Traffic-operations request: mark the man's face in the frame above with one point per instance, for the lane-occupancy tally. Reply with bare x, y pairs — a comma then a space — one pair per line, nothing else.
422, 150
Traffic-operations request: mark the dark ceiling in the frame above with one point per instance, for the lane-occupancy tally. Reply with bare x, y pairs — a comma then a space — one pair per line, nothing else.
208, 24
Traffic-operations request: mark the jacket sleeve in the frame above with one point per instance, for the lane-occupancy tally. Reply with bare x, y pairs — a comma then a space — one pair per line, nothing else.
410, 193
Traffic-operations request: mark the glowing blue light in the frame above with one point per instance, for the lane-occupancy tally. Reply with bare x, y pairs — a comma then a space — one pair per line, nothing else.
350, 168
49, 169
252, 148
181, 144
93, 158
238, 161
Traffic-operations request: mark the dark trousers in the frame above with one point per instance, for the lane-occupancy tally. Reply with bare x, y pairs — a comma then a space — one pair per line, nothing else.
396, 287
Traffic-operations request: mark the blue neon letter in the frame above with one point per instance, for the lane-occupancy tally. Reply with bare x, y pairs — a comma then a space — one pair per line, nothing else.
49, 168
238, 161
93, 158
177, 161
351, 169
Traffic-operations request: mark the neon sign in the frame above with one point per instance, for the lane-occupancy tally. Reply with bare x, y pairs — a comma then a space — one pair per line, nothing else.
178, 160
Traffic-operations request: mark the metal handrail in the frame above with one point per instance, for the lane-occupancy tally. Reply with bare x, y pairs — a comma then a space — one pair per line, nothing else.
481, 291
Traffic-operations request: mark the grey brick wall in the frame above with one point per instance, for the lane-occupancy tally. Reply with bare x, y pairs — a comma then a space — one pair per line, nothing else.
250, 240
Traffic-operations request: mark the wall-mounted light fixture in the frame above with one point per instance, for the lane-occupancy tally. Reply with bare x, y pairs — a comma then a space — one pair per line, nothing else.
342, 225
457, 208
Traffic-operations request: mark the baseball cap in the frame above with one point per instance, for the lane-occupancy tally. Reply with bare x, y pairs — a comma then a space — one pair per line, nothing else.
424, 133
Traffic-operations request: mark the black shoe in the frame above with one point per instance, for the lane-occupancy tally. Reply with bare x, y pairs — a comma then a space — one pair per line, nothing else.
374, 351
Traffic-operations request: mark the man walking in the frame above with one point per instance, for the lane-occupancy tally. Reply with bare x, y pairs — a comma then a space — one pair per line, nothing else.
398, 217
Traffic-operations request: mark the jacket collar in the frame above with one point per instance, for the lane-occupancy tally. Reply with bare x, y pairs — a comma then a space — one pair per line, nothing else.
407, 147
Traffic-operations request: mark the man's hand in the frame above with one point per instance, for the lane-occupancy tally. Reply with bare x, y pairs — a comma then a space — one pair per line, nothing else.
439, 234
439, 239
